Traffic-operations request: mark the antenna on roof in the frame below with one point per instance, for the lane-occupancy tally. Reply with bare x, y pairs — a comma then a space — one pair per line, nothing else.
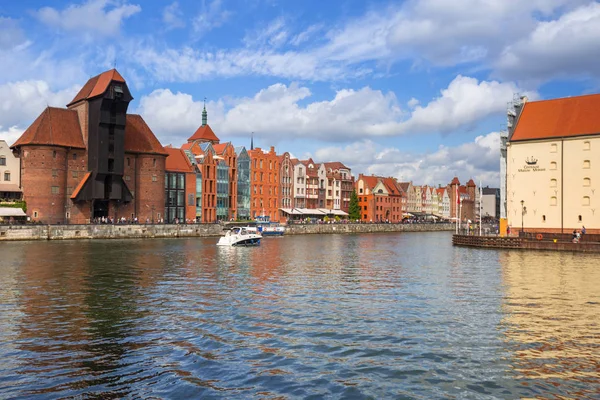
115, 63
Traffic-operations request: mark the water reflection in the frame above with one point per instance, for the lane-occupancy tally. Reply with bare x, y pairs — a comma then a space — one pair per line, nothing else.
552, 307
359, 316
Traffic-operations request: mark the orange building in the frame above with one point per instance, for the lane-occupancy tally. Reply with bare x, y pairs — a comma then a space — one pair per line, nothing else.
180, 187
379, 198
264, 183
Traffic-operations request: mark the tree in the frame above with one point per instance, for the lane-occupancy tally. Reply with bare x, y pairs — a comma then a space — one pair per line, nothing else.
354, 208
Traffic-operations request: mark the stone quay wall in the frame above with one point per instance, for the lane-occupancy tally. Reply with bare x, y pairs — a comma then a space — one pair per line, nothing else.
59, 232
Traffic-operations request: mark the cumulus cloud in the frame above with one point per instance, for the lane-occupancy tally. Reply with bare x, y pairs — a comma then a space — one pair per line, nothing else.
11, 134
22, 102
103, 17
567, 46
285, 111
478, 159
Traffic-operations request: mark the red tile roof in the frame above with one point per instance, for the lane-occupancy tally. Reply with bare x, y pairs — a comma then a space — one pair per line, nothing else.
177, 161
571, 116
455, 181
187, 146
220, 148
335, 165
97, 85
139, 138
204, 133
80, 185
370, 181
54, 127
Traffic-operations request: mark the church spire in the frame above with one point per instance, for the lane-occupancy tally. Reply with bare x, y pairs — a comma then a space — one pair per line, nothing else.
204, 114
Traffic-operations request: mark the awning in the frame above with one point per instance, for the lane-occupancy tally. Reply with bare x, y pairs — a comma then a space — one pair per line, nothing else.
330, 211
10, 187
310, 211
291, 211
12, 212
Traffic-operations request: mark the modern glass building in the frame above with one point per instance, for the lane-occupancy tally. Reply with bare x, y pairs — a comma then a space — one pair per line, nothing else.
222, 191
243, 187
174, 197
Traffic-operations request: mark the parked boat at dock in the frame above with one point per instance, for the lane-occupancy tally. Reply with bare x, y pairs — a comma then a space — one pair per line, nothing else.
268, 228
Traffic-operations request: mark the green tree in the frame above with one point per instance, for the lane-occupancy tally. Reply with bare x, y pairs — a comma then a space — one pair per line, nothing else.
354, 208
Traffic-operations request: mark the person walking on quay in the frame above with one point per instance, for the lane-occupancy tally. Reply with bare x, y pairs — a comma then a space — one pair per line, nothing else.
583, 231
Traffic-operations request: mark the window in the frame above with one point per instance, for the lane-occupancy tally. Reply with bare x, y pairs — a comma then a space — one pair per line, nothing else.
74, 174
543, 218
553, 165
585, 201
2, 160
35, 214
127, 178
154, 178
54, 189
587, 182
128, 161
586, 164
553, 183
74, 156
553, 200
54, 172
154, 162
7, 176
586, 145
553, 148
580, 219
54, 154
69, 190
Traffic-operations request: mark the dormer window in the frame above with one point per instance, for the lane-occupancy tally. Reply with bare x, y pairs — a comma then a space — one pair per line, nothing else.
118, 91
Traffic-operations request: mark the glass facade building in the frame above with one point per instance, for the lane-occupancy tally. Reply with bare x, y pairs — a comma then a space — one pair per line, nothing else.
222, 191
174, 197
243, 187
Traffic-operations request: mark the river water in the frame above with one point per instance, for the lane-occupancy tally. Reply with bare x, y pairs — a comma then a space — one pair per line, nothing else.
317, 316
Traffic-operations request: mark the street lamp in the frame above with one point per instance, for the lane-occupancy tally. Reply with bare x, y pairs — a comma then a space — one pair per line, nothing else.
523, 211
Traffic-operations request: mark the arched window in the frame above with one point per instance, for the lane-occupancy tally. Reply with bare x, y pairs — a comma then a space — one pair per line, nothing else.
586, 145
586, 164
553, 200
586, 201
587, 182
553, 183
553, 148
553, 165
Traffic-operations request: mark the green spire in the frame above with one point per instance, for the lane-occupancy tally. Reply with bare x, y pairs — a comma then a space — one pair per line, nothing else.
204, 114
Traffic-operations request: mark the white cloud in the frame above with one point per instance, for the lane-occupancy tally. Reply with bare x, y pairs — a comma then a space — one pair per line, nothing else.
210, 17
173, 16
103, 17
478, 159
284, 111
274, 34
567, 46
22, 102
11, 134
305, 35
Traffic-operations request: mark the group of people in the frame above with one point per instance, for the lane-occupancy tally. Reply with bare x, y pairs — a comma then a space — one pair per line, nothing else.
577, 235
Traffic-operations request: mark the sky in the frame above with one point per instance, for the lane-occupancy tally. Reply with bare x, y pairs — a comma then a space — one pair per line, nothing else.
416, 90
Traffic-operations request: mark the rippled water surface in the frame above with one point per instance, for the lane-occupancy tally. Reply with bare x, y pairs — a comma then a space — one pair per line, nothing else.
322, 316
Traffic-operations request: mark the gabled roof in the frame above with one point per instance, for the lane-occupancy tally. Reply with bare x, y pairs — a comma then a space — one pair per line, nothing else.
571, 116
97, 85
335, 165
54, 127
139, 138
204, 133
186, 146
177, 161
370, 181
455, 181
471, 183
404, 186
220, 147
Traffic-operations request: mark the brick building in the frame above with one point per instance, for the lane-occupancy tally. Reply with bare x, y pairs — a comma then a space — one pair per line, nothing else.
92, 159
180, 187
264, 183
462, 200
379, 198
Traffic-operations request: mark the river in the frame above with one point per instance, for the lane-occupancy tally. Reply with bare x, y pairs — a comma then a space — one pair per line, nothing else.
396, 315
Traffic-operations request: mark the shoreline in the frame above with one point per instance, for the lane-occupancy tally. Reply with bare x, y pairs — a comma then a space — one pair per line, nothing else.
139, 231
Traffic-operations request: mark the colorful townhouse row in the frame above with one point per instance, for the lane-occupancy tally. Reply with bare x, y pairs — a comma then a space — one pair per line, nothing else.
93, 161
388, 200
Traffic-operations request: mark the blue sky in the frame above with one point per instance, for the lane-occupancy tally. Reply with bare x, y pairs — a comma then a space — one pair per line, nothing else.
416, 89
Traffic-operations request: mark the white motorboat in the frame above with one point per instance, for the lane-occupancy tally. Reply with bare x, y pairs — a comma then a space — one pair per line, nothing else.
240, 236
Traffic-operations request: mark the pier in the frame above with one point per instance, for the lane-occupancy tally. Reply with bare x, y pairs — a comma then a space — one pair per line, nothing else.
531, 241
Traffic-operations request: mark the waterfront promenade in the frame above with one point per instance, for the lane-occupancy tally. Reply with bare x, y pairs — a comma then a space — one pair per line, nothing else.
131, 231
